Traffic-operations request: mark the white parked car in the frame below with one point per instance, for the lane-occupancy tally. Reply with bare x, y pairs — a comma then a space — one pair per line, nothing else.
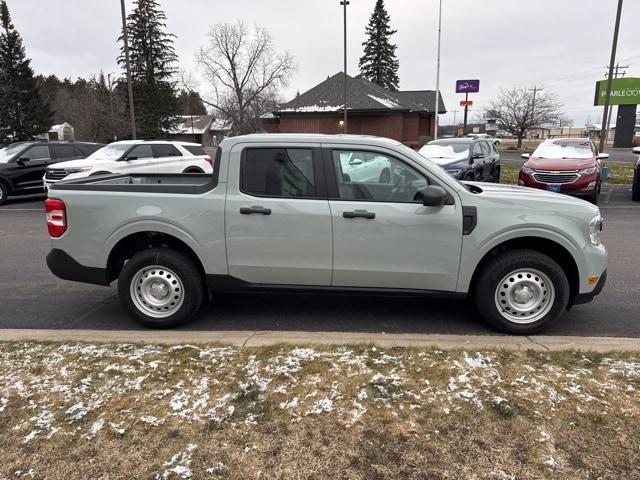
134, 156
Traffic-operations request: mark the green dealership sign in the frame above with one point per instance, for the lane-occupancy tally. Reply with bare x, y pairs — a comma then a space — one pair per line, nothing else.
624, 91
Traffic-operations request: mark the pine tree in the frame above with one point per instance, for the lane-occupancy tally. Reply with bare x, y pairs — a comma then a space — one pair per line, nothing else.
152, 58
23, 113
379, 63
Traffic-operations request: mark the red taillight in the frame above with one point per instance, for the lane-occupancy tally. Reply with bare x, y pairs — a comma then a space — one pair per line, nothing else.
208, 159
56, 217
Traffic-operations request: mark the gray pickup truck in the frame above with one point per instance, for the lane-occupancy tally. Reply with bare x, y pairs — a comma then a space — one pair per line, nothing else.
312, 213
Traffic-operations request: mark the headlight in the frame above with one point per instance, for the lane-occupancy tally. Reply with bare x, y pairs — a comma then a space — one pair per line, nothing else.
528, 171
77, 169
587, 171
595, 227
453, 171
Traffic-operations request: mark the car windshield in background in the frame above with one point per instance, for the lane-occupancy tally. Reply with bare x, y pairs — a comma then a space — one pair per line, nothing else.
443, 151
110, 152
559, 150
8, 152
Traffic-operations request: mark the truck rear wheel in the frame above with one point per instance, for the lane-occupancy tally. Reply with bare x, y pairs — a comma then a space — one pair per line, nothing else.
161, 288
521, 291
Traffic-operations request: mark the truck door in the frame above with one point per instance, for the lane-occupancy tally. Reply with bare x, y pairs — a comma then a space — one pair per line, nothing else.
278, 225
382, 234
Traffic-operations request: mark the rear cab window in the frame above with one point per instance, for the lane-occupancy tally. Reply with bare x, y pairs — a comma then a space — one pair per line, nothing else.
278, 172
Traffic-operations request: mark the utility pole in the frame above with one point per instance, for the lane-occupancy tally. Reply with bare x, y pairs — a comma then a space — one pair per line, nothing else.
435, 128
612, 60
455, 112
128, 68
616, 74
113, 133
535, 90
344, 124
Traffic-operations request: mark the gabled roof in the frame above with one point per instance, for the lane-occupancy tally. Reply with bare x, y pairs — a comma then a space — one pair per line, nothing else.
363, 96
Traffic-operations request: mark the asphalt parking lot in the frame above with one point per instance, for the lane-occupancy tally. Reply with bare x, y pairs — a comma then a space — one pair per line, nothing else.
31, 297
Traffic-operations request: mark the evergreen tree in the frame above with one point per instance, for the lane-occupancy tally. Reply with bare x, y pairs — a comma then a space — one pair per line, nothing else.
152, 58
23, 112
379, 63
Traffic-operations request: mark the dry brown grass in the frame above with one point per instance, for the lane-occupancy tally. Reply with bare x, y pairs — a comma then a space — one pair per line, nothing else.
315, 413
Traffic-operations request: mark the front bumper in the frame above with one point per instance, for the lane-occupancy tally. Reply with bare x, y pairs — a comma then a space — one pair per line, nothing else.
64, 266
578, 188
588, 297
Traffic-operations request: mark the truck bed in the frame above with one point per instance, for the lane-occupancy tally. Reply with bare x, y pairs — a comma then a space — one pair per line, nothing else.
194, 183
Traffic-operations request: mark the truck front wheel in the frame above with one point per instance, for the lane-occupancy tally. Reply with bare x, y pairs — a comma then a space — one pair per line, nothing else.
521, 291
161, 288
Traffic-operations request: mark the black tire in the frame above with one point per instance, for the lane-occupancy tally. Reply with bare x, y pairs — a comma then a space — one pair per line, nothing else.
594, 197
489, 288
193, 170
4, 193
185, 273
496, 175
635, 189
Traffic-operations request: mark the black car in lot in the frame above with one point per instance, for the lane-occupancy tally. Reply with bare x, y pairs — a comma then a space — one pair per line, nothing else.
468, 158
23, 164
635, 189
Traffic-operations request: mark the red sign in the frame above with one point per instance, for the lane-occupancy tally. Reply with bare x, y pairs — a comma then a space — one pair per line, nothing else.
466, 103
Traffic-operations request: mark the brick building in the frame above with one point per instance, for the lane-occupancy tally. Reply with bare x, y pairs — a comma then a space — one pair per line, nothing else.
372, 110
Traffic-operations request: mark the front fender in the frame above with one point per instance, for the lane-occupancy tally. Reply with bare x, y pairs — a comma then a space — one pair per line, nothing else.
475, 249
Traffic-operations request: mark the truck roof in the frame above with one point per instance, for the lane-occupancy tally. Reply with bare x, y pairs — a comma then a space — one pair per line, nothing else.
310, 138
172, 142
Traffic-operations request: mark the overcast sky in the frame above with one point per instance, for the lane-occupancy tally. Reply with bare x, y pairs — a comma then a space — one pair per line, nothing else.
561, 45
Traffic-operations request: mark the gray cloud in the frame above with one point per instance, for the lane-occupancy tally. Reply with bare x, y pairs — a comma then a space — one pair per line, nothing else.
561, 45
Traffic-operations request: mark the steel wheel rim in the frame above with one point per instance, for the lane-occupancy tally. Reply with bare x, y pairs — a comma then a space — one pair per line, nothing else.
157, 291
525, 296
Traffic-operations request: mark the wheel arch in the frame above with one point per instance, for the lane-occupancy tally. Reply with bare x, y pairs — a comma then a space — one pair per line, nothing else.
193, 169
551, 248
133, 243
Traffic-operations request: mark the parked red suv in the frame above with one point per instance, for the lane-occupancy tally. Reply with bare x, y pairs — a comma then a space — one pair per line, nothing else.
564, 165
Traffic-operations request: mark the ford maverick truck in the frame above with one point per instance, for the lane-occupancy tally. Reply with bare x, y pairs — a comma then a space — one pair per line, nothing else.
326, 213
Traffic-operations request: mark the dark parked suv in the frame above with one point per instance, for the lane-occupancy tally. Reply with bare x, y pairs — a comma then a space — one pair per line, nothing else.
22, 165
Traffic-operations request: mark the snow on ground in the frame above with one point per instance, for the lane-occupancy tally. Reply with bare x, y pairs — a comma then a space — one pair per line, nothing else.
77, 390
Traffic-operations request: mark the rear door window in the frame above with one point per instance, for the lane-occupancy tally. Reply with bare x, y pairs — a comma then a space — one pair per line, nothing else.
194, 149
165, 150
279, 172
62, 152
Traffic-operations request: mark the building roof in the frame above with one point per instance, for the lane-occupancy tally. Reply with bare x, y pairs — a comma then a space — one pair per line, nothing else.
200, 124
363, 96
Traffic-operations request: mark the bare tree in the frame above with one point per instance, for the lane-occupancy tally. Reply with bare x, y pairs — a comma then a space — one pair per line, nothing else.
245, 72
516, 110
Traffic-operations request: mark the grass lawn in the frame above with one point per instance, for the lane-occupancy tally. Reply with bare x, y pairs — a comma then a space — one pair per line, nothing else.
620, 173
84, 411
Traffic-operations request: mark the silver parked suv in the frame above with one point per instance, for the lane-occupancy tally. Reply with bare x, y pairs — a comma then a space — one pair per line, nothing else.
326, 213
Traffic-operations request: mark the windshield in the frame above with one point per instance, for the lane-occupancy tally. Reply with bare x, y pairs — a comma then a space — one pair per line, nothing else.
8, 152
452, 151
110, 152
563, 150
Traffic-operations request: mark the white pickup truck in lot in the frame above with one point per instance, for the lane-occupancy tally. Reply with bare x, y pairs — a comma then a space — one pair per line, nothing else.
281, 212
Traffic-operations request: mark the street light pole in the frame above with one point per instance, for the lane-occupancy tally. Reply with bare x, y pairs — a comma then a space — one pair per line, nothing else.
612, 61
344, 121
128, 68
435, 128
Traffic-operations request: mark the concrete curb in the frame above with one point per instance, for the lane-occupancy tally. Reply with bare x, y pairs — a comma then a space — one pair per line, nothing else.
264, 338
